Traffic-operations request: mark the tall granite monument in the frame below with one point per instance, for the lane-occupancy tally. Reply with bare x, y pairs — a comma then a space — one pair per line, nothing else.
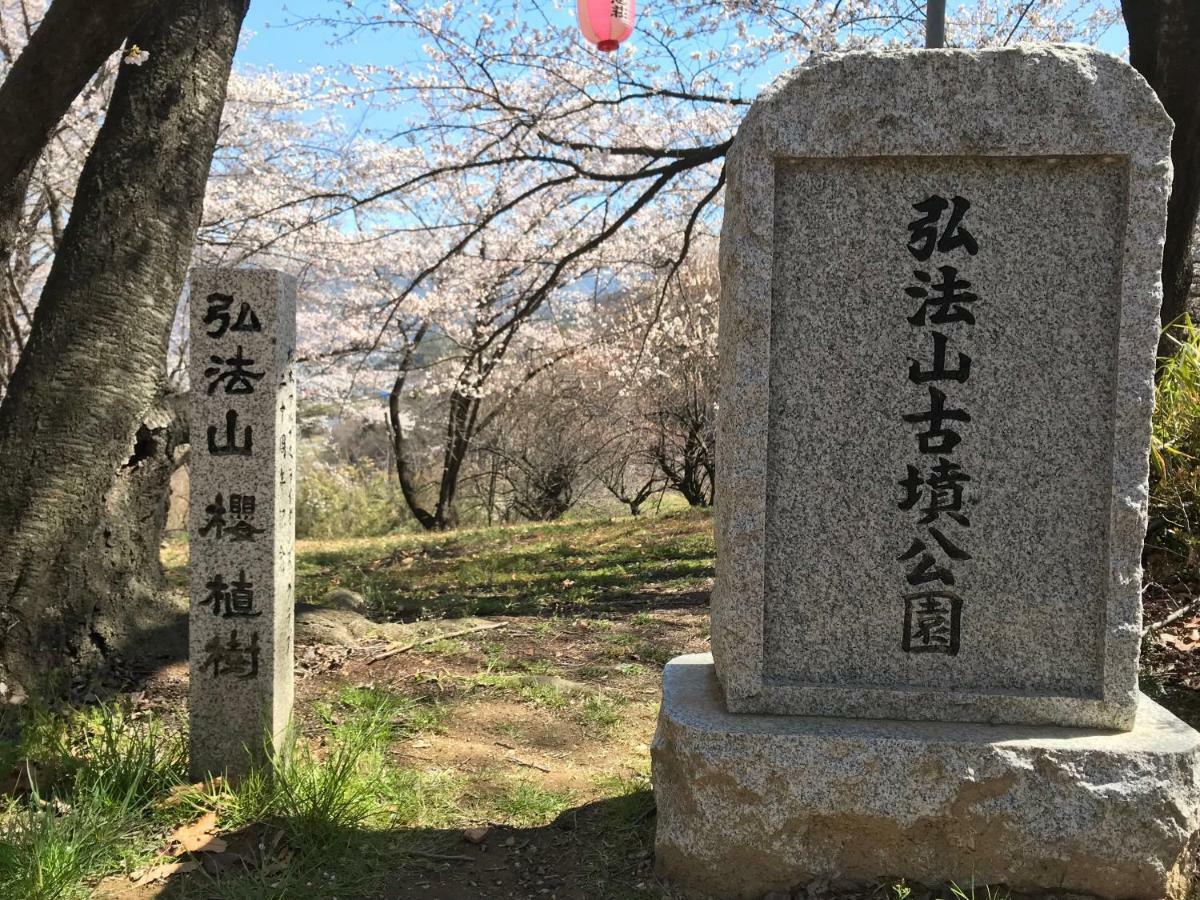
939, 311
242, 514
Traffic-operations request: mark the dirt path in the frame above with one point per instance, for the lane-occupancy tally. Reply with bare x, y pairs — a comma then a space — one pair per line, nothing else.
526, 775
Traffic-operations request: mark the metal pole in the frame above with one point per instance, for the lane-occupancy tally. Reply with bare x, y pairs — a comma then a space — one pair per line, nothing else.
935, 23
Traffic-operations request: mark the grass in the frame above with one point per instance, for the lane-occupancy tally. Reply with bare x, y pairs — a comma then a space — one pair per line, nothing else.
553, 569
600, 713
401, 715
315, 800
561, 567
90, 798
524, 803
380, 778
48, 849
334, 801
100, 788
547, 694
430, 799
448, 647
333, 810
512, 730
1175, 447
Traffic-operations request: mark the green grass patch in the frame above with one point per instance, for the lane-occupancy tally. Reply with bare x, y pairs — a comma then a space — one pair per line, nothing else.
620, 638
51, 848
1175, 449
382, 716
93, 787
424, 799
539, 569
532, 689
523, 803
538, 666
317, 801
447, 647
600, 713
347, 814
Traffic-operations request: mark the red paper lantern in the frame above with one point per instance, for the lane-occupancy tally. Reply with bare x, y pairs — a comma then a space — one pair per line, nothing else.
606, 23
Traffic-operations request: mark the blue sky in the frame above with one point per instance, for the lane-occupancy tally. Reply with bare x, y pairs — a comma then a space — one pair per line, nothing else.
274, 43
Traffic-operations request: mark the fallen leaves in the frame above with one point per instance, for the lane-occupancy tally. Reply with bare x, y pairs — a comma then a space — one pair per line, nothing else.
317, 659
1185, 640
190, 839
162, 872
198, 837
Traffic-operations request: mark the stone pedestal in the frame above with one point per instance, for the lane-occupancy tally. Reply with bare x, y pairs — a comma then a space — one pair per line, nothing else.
749, 804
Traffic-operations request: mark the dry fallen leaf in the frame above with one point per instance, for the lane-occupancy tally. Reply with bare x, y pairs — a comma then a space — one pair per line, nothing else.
279, 864
1177, 642
198, 837
162, 872
182, 792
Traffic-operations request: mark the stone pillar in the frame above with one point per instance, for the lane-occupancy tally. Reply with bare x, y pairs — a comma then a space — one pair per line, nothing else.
940, 277
242, 514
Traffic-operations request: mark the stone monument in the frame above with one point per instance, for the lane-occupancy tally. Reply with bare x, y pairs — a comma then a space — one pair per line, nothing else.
242, 522
939, 312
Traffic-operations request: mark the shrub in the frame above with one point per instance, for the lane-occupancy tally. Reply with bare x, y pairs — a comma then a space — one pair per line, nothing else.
345, 500
1175, 448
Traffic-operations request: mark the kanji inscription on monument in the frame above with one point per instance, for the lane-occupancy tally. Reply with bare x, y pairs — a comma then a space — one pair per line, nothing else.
241, 514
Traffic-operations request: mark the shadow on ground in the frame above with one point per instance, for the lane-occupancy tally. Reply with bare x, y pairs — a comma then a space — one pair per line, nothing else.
599, 851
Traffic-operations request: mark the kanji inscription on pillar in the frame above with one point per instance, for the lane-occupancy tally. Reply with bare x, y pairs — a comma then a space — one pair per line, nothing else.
241, 525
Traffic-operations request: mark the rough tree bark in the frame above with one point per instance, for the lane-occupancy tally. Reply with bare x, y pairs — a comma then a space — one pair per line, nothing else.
12, 216
74, 38
1164, 45
83, 435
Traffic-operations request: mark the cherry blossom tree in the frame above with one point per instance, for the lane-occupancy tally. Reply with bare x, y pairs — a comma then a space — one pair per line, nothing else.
44, 159
585, 146
657, 354
536, 176
510, 204
446, 264
82, 434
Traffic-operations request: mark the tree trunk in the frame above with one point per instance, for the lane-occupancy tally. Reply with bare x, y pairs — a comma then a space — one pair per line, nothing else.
460, 429
1164, 45
73, 40
12, 217
443, 516
404, 470
81, 428
405, 473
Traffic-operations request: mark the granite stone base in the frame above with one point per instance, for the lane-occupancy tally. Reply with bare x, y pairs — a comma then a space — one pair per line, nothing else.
749, 804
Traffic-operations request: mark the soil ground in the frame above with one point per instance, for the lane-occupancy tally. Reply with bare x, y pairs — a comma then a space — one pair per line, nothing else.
522, 770
533, 760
